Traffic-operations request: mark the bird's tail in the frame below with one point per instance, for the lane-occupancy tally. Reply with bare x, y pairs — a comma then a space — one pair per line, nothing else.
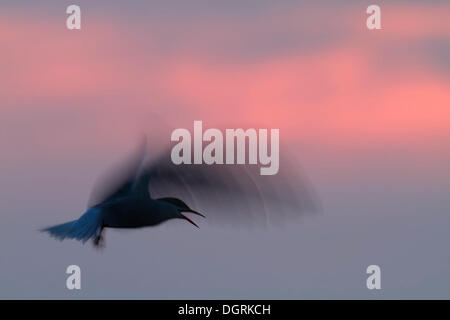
88, 226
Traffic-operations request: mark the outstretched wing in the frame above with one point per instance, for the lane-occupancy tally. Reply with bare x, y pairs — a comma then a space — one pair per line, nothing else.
126, 179
235, 194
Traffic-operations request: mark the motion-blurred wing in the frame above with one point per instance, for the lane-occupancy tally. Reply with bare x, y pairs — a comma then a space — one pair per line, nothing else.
122, 180
234, 194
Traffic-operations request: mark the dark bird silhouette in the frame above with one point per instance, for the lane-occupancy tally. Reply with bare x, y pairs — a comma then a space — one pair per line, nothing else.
233, 194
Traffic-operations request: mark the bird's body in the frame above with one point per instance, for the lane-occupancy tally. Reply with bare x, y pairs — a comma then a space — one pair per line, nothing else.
135, 212
129, 205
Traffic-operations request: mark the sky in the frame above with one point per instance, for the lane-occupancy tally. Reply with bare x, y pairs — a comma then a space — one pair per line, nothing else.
365, 112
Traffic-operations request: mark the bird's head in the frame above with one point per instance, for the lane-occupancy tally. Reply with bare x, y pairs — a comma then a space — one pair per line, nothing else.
182, 207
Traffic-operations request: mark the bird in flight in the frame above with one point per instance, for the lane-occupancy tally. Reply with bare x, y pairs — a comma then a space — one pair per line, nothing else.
233, 194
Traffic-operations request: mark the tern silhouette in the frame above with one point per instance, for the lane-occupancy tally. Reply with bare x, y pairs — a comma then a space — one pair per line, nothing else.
235, 194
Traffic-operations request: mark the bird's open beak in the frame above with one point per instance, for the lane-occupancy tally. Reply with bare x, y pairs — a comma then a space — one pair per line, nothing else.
184, 217
195, 212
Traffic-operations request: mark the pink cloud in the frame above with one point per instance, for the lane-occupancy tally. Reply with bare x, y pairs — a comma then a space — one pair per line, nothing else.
340, 94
